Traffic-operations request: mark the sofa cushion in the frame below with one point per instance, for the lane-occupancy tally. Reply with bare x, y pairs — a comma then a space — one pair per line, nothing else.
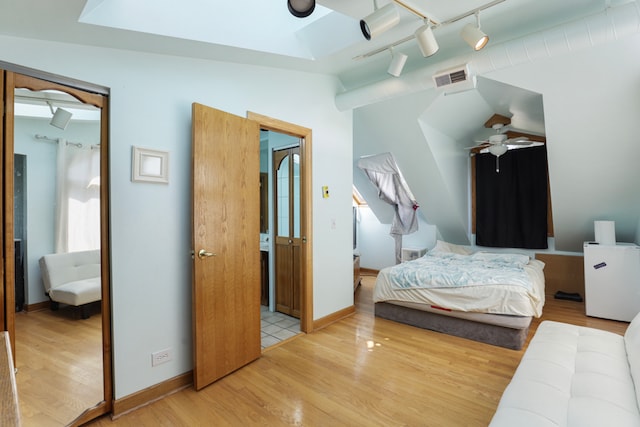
77, 292
62, 268
632, 344
570, 376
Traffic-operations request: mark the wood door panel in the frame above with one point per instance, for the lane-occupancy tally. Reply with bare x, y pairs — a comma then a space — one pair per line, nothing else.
226, 223
296, 279
282, 277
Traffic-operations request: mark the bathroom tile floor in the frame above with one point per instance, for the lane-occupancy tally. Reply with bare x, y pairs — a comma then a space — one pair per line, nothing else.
276, 326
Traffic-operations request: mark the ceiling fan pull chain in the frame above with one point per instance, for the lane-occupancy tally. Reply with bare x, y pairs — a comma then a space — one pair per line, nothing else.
497, 164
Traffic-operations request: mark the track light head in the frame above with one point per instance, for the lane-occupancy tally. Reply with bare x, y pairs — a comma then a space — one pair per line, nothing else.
398, 59
301, 8
473, 35
379, 21
426, 40
61, 117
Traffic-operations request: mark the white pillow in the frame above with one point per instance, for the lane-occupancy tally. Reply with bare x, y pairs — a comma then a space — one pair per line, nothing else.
444, 247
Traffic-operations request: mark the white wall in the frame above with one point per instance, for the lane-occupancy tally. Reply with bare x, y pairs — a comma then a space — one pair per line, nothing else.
40, 194
150, 106
376, 246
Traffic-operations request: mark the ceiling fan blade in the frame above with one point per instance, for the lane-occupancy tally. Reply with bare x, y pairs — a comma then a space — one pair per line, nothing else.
521, 140
481, 146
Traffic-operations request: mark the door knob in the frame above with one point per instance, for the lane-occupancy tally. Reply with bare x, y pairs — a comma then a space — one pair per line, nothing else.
204, 254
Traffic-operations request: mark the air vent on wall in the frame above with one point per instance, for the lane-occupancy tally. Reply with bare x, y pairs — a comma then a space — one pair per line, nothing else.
455, 79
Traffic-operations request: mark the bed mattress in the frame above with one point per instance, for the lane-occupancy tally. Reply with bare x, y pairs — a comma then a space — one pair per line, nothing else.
494, 299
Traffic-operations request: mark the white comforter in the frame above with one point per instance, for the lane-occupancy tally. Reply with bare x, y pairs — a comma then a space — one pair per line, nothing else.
480, 282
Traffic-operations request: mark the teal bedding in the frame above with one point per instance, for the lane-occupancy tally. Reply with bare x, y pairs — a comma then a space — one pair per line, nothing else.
450, 270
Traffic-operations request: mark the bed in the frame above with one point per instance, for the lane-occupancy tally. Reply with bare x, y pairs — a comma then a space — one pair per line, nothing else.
484, 296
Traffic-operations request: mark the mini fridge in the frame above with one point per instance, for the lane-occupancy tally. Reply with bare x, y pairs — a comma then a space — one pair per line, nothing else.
612, 280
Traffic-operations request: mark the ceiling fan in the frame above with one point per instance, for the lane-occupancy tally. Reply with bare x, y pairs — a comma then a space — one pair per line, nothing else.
500, 143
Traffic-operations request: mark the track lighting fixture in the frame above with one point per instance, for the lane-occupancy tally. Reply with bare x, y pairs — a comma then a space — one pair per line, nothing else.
426, 40
301, 8
60, 117
398, 59
379, 21
385, 18
473, 35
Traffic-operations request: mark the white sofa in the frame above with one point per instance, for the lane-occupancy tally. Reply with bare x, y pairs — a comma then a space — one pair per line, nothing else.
574, 376
72, 278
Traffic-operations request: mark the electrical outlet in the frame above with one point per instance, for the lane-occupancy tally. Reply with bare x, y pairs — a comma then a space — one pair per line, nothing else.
161, 356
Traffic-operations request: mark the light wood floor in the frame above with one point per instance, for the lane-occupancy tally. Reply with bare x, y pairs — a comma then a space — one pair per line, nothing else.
59, 363
356, 372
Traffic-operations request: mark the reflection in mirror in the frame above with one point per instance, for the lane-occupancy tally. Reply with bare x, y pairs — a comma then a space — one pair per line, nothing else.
57, 210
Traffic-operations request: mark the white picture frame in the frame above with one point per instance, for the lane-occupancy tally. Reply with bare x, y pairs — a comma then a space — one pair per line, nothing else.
149, 165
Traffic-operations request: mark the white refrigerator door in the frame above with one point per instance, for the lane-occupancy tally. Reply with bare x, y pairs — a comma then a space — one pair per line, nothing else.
612, 281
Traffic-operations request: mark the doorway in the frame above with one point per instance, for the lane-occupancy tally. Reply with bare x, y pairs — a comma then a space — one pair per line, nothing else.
304, 136
24, 87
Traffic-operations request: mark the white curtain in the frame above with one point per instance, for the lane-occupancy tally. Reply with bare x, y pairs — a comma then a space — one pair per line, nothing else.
77, 198
383, 171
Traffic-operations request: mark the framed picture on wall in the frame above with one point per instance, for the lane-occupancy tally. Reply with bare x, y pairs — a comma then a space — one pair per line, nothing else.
149, 165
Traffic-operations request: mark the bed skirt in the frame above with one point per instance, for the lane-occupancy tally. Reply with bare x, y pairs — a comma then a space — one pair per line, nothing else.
500, 330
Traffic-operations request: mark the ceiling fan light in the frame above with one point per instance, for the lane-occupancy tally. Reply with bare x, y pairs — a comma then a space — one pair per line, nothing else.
379, 21
474, 36
426, 40
498, 150
301, 8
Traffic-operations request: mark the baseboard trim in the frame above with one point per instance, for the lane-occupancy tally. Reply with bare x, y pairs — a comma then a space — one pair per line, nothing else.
151, 394
368, 272
37, 306
333, 317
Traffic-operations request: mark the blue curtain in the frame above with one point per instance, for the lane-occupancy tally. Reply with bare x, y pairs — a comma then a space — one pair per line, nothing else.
511, 202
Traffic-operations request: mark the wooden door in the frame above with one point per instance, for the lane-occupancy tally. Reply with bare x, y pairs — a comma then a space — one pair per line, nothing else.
287, 230
226, 242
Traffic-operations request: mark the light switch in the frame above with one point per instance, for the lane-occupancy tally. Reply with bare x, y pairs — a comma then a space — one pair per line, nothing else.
325, 191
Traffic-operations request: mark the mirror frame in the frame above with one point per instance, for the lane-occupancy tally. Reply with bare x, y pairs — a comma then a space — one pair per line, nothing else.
20, 77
